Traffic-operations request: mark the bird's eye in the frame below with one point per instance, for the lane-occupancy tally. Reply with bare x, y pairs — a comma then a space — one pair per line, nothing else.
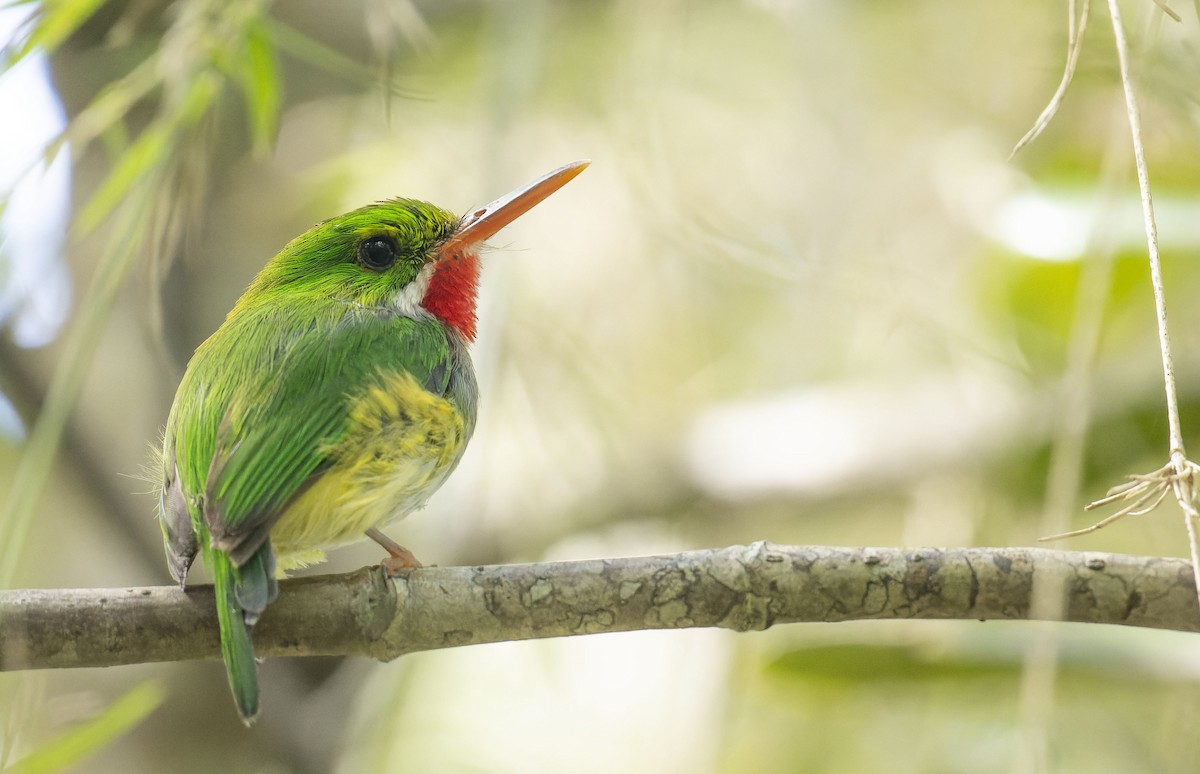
376, 254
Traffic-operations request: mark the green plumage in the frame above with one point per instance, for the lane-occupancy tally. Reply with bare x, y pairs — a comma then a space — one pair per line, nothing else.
317, 356
236, 648
269, 399
336, 397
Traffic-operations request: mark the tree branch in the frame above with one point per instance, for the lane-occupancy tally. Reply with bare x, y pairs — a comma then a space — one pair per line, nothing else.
739, 587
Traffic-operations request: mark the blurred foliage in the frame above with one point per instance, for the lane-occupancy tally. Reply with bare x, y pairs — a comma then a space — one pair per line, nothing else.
1033, 302
795, 206
153, 178
76, 744
952, 706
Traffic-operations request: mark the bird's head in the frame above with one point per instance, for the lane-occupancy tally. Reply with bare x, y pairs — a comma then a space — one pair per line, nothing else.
401, 256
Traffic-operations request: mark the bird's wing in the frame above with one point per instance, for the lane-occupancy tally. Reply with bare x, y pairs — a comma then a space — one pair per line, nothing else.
272, 428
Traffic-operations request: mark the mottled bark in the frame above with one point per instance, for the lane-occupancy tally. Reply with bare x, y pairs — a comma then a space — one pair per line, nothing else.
740, 588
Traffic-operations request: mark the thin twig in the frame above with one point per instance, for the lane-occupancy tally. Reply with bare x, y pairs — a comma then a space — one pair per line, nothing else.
1156, 278
1182, 479
1074, 47
1162, 6
1132, 510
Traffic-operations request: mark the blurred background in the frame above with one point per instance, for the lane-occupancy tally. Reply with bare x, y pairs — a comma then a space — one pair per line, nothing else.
801, 295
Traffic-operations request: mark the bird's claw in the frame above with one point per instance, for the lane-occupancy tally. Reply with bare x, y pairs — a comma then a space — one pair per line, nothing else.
399, 559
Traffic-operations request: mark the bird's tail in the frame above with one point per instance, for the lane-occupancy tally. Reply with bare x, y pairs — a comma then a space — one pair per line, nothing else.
236, 647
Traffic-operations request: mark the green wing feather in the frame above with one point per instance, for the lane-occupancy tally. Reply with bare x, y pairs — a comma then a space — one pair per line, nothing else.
265, 424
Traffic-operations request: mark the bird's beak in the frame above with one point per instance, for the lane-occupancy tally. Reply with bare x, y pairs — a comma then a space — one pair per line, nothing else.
487, 220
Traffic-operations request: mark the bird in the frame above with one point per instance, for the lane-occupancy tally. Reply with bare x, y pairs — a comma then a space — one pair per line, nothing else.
336, 398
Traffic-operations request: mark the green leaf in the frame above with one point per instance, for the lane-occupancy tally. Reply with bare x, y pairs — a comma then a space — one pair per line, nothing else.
58, 21
112, 104
318, 54
99, 732
259, 77
149, 151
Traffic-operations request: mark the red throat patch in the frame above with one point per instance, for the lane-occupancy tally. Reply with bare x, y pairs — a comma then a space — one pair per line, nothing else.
452, 292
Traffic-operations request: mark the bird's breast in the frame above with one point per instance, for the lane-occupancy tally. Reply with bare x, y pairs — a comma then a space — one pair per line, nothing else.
401, 442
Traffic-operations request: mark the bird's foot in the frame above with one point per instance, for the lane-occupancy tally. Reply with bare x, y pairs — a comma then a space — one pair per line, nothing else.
399, 559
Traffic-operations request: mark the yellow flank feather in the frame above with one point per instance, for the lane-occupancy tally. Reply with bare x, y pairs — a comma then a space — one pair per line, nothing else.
401, 443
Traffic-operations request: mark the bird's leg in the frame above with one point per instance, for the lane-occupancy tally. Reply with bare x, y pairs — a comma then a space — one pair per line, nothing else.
399, 558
